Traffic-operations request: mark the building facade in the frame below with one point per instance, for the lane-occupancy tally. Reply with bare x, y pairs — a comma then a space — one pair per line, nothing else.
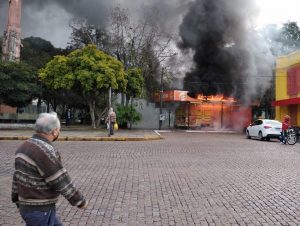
287, 87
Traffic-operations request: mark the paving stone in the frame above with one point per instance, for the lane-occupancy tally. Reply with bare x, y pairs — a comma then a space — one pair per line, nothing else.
185, 179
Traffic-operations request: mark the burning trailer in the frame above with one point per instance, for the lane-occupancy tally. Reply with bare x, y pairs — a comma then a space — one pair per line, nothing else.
206, 112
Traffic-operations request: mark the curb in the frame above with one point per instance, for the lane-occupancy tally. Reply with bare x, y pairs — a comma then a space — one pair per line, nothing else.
74, 138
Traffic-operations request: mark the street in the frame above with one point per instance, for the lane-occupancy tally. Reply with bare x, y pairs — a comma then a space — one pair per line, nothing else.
184, 179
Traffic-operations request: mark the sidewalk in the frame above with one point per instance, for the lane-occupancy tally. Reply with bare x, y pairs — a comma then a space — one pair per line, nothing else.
79, 133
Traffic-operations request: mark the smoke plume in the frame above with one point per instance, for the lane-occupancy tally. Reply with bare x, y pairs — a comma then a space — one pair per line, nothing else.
221, 51
50, 19
230, 57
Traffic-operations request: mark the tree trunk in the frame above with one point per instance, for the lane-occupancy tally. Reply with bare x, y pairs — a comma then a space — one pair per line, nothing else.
127, 99
123, 98
92, 113
98, 120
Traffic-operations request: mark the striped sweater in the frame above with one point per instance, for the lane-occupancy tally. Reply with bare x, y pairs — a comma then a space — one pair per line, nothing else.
40, 177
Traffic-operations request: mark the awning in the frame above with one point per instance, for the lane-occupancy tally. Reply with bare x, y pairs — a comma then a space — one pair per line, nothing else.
182, 96
286, 102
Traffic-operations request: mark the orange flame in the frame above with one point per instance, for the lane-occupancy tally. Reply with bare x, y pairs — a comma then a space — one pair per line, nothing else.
216, 98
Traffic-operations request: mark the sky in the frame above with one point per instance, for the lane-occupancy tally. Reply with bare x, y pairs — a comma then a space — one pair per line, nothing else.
51, 23
278, 11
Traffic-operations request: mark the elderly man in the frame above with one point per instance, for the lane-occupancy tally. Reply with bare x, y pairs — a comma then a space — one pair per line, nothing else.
111, 120
40, 177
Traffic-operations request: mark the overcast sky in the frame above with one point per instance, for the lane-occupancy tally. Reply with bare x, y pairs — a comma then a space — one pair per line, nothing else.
49, 19
278, 11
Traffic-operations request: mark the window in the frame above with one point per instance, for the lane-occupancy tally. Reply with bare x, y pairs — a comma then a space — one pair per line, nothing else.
293, 81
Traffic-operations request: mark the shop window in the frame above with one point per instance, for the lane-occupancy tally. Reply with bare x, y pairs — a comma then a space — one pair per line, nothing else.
293, 81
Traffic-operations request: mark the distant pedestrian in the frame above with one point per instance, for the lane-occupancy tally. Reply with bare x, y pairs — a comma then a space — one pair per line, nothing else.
68, 117
284, 128
40, 177
111, 120
81, 118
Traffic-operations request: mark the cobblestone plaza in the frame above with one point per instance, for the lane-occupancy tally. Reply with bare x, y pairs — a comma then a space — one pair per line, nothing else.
184, 179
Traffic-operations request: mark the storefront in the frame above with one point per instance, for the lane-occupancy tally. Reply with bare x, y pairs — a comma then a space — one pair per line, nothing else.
216, 112
287, 86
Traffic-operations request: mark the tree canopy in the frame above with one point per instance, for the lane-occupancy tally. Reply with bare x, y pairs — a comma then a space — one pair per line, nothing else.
282, 40
289, 36
135, 82
88, 72
18, 84
37, 51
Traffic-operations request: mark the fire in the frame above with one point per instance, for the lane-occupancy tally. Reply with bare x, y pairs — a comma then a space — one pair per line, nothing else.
215, 112
216, 98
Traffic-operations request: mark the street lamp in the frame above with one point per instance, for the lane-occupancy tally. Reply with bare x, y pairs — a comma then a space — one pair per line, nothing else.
161, 98
109, 106
222, 112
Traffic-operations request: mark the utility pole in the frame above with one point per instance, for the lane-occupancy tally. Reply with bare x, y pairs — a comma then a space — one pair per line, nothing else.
161, 98
222, 103
109, 98
109, 106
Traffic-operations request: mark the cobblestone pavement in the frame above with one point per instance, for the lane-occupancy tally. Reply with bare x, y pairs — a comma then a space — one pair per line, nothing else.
81, 133
185, 179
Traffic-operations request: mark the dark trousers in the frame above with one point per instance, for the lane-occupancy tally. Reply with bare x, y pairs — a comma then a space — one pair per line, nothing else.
111, 128
41, 218
68, 122
283, 137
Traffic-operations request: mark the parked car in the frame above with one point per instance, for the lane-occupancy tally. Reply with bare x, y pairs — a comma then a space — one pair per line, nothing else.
264, 129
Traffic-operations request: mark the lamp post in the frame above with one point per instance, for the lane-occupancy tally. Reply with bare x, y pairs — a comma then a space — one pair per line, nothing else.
161, 98
109, 106
222, 103
109, 98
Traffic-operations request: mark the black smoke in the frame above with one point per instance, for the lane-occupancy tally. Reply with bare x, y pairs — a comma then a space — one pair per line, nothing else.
50, 19
229, 56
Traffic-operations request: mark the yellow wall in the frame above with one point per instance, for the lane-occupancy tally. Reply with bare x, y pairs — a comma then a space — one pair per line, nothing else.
298, 115
281, 112
281, 84
284, 63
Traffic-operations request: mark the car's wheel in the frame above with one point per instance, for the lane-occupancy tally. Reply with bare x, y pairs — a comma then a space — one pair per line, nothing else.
260, 135
247, 135
267, 138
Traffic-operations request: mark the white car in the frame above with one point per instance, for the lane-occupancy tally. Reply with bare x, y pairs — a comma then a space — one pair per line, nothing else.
264, 129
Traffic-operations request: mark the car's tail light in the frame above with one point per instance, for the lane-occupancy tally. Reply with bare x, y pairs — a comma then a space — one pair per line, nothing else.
267, 127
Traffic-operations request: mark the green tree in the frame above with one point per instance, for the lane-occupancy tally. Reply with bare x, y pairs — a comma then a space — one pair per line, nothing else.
127, 114
135, 83
284, 40
134, 87
88, 72
37, 51
84, 34
18, 84
289, 37
1, 41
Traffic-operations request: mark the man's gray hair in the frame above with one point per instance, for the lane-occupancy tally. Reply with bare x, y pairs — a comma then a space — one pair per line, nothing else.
46, 122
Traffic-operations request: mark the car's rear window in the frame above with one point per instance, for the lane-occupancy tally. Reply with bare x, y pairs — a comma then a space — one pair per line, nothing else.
272, 122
